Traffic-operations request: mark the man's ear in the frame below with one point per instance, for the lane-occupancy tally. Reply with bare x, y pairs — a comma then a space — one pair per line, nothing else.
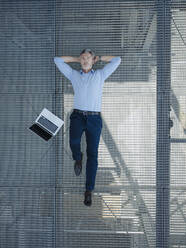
94, 59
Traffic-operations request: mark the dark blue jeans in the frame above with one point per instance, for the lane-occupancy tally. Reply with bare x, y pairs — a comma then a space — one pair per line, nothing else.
91, 125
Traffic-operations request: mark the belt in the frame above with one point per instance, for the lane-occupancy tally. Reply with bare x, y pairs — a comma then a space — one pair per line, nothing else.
87, 112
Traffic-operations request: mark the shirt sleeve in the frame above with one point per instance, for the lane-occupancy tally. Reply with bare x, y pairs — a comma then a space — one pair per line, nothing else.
65, 69
109, 68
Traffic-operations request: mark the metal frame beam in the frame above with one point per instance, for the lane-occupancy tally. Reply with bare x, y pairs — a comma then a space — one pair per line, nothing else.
163, 123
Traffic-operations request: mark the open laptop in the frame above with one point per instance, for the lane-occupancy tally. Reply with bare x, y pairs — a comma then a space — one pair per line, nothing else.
46, 125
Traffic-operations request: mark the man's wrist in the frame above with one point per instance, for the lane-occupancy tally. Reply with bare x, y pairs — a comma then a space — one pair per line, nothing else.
77, 59
69, 59
107, 58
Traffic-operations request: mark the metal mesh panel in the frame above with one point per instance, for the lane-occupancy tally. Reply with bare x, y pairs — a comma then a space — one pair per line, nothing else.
41, 200
27, 163
123, 210
178, 131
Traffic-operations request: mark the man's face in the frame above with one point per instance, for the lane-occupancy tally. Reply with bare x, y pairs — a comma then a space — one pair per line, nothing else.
87, 61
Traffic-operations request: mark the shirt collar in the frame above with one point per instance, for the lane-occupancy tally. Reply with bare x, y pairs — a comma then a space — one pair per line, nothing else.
92, 71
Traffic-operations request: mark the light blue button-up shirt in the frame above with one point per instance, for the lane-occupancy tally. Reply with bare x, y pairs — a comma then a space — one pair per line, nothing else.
87, 86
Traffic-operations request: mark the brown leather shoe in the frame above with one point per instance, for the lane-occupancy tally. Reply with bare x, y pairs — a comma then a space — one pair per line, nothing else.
88, 200
78, 166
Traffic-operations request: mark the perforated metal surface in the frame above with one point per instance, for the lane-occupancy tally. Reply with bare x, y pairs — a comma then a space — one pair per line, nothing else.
123, 209
178, 131
41, 200
27, 163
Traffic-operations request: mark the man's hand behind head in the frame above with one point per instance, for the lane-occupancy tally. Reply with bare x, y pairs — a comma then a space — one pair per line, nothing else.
96, 59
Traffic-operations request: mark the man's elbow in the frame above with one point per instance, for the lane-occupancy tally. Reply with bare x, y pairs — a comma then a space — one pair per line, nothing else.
56, 59
117, 59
